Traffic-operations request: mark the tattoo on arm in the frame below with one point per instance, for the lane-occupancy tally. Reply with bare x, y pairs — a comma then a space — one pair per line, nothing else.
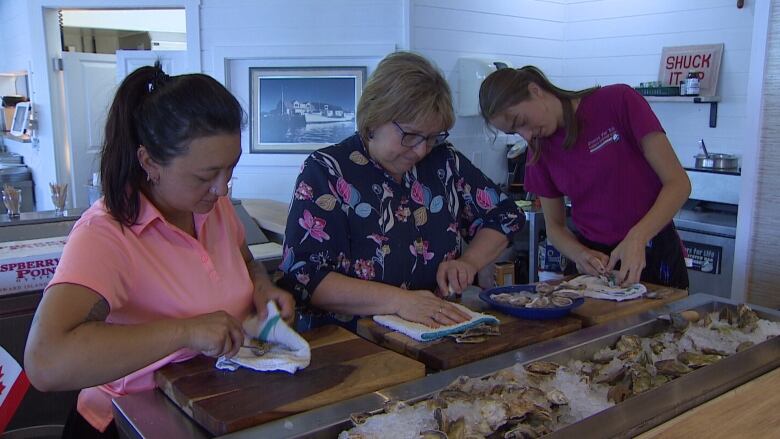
99, 312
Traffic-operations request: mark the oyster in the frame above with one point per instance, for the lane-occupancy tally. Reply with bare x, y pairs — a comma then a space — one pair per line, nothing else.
657, 346
727, 315
542, 367
570, 294
641, 380
671, 368
628, 343
433, 434
359, 418
620, 392
557, 397
544, 288
745, 345
747, 319
713, 351
539, 302
561, 301
695, 360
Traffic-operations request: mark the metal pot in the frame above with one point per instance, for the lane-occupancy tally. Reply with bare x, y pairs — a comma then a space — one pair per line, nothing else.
717, 161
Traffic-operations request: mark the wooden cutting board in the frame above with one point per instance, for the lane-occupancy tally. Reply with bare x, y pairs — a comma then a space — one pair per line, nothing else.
342, 366
597, 311
445, 353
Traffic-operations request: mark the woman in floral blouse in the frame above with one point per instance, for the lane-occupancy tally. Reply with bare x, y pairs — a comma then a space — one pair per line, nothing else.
377, 222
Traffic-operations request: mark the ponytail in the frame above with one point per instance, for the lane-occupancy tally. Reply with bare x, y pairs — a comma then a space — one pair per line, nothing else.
163, 113
507, 87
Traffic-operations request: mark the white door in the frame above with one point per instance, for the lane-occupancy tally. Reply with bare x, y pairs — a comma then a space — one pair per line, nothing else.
174, 62
89, 80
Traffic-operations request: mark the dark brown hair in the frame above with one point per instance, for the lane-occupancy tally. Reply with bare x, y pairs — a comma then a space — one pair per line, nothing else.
507, 87
164, 114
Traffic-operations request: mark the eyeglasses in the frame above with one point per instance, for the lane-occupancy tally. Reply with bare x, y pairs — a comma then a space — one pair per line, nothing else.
410, 140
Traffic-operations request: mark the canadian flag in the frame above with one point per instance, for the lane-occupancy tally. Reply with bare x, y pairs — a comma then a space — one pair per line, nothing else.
13, 386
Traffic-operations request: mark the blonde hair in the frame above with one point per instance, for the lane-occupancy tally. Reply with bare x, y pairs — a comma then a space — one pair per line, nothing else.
507, 87
406, 88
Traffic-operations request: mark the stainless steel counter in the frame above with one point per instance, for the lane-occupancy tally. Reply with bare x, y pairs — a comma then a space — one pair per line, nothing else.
150, 415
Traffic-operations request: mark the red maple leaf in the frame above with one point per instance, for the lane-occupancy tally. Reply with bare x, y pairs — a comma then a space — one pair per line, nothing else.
2, 387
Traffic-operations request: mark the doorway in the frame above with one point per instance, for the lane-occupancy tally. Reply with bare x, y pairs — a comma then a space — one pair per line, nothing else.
52, 153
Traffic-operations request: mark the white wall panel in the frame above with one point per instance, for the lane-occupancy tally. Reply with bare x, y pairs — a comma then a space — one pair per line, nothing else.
519, 32
260, 31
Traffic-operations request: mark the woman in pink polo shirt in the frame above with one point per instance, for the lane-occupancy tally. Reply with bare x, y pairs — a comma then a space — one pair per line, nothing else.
158, 270
605, 149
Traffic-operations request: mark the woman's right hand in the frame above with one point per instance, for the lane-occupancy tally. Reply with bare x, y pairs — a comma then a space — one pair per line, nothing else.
591, 262
215, 334
424, 307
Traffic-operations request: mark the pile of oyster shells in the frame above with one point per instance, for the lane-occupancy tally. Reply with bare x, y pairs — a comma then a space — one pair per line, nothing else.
545, 296
535, 399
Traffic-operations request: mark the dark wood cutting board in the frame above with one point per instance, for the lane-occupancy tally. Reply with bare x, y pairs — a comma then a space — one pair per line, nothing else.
597, 311
342, 366
445, 353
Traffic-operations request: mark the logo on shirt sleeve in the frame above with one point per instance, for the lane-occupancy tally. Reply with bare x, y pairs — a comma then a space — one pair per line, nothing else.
605, 138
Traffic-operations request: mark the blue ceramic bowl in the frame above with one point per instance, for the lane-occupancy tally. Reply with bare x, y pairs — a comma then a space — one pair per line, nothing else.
523, 312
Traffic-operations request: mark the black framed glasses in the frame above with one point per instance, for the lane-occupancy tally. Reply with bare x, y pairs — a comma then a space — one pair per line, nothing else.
410, 140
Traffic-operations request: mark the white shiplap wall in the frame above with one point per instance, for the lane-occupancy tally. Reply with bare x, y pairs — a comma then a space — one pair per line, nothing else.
610, 41
316, 32
516, 31
14, 37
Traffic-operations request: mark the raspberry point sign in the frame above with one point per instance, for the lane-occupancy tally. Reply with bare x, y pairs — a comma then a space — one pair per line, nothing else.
677, 61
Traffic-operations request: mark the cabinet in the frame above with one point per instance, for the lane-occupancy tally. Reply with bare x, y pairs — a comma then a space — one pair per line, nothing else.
712, 100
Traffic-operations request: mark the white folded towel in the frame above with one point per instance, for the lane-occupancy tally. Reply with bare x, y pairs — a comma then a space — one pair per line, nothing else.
420, 332
596, 288
289, 351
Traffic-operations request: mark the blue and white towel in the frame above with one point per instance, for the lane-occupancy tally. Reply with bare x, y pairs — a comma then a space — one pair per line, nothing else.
420, 332
289, 351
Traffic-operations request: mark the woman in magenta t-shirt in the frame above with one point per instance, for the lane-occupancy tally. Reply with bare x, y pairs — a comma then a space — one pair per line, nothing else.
604, 148
158, 270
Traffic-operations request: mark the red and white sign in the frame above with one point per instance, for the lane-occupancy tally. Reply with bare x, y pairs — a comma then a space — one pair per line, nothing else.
677, 62
28, 265
13, 386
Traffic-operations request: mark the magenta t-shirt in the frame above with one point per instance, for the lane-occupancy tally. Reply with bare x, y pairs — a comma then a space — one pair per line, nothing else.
605, 174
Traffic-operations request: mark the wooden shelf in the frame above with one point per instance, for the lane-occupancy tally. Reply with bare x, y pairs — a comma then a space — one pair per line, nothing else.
712, 100
693, 99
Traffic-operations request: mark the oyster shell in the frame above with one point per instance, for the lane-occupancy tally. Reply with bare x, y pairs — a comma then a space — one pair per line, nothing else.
747, 319
561, 301
542, 367
544, 288
671, 368
745, 345
696, 360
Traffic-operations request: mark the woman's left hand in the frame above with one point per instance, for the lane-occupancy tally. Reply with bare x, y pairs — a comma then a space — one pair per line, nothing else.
283, 299
454, 276
631, 254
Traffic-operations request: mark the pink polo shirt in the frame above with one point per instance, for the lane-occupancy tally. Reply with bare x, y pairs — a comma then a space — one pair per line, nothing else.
151, 271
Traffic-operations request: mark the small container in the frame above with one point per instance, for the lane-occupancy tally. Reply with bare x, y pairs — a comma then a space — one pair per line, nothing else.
683, 88
692, 83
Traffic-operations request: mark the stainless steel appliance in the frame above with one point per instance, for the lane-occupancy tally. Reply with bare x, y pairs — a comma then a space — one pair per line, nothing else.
707, 225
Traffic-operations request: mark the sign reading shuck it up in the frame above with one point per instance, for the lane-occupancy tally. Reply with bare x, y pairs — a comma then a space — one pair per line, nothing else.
678, 61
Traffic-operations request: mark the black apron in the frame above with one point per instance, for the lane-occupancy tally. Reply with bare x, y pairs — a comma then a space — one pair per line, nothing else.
664, 258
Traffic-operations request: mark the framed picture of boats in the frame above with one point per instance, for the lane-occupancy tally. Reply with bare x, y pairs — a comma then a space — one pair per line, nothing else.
301, 109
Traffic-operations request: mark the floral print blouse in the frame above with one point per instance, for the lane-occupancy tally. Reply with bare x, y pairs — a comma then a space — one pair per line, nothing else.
349, 216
